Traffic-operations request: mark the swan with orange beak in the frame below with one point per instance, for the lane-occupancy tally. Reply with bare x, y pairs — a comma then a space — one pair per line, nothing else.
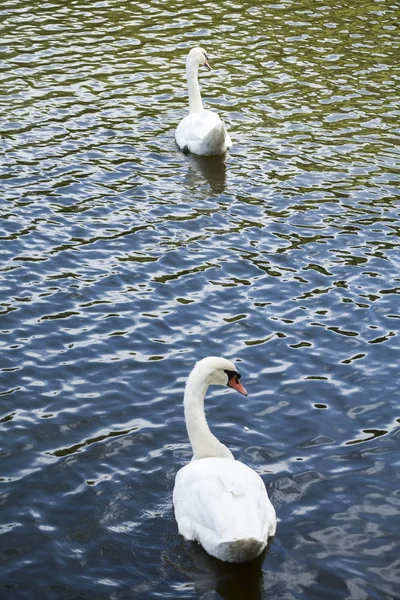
201, 132
218, 501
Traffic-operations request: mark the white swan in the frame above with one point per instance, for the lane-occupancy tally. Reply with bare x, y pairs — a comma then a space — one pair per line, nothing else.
201, 131
218, 501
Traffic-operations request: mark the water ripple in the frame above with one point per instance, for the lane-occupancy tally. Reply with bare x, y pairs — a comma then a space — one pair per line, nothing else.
123, 261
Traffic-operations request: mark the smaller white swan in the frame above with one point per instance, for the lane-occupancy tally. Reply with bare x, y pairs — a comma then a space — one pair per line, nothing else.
218, 501
201, 131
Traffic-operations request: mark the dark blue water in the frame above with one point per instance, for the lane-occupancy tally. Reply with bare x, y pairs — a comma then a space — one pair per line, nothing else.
123, 262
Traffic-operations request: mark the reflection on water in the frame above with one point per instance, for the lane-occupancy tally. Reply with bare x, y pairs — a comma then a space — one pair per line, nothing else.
123, 261
211, 169
231, 582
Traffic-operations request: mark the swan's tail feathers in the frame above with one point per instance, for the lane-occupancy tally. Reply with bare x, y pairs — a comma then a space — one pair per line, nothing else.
241, 550
217, 140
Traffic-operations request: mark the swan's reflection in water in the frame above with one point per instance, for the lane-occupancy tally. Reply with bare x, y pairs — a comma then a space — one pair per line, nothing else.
212, 169
230, 581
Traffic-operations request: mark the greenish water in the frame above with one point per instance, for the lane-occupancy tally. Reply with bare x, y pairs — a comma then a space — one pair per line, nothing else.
124, 261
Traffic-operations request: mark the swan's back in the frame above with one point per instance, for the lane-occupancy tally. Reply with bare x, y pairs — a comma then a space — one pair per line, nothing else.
203, 133
223, 504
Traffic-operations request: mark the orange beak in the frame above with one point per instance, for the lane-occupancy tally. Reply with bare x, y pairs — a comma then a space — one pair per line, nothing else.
207, 65
236, 385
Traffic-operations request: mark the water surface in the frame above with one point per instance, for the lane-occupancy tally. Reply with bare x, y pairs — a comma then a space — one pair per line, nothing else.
124, 261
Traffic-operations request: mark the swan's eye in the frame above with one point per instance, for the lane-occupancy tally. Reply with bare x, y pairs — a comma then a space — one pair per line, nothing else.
206, 63
233, 374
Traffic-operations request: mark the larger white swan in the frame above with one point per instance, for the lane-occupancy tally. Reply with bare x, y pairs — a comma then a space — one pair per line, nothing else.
201, 131
219, 502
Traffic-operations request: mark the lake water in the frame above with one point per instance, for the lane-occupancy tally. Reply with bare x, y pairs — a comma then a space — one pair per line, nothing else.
124, 261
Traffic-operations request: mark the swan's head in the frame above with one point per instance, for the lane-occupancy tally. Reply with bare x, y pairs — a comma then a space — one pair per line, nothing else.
220, 371
198, 56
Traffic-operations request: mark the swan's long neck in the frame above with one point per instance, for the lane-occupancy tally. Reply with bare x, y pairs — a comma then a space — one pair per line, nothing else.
203, 442
195, 103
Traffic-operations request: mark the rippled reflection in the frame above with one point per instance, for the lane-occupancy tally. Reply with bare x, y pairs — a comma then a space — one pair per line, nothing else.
211, 169
231, 582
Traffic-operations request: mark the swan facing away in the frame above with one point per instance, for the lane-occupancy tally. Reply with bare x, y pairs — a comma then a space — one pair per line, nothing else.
201, 131
218, 501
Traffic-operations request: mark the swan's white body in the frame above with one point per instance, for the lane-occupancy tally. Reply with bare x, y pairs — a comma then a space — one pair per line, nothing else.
219, 502
201, 131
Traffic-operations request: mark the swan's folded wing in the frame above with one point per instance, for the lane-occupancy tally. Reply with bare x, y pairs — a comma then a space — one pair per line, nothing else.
195, 127
220, 499
208, 121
